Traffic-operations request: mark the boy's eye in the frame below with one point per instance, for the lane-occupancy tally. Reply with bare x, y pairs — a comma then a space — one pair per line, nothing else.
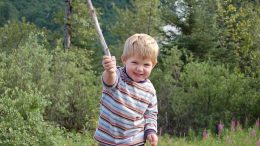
147, 65
134, 62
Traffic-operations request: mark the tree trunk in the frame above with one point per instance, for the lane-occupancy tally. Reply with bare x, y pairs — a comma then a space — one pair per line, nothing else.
67, 25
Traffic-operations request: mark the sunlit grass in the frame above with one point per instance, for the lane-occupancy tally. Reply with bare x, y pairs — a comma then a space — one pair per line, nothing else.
239, 137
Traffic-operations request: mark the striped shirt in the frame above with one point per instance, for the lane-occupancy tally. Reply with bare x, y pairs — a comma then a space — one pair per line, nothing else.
127, 110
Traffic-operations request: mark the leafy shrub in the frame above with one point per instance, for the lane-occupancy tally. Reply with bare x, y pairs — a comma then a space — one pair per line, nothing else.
74, 90
16, 34
21, 120
65, 81
200, 94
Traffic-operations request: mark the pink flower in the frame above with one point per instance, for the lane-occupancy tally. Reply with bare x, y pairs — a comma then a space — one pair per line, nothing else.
239, 127
233, 126
253, 133
228, 141
220, 127
258, 142
257, 123
205, 134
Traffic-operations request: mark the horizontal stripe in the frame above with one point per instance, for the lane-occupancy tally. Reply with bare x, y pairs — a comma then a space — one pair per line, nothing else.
152, 106
119, 120
118, 130
129, 100
149, 117
119, 113
135, 143
107, 131
131, 141
137, 85
132, 95
104, 130
113, 123
135, 91
104, 141
126, 109
120, 108
124, 104
121, 125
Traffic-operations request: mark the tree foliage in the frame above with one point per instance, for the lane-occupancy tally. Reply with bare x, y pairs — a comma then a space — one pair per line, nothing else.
73, 90
237, 40
220, 30
22, 121
138, 17
8, 12
207, 71
65, 79
202, 93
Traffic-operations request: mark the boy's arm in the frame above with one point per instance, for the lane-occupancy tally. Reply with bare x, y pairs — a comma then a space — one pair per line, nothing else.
151, 121
109, 74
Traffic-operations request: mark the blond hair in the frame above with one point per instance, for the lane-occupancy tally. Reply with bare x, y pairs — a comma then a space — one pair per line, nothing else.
142, 45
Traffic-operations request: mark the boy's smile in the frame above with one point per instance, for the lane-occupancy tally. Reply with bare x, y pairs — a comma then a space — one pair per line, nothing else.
138, 68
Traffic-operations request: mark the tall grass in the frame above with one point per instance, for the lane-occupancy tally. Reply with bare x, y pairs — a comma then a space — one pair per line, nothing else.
233, 137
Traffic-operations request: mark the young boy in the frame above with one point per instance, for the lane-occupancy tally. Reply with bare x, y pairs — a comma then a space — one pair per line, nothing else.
128, 107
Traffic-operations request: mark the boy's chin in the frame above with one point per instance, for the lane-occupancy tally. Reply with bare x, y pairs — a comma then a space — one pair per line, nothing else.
139, 80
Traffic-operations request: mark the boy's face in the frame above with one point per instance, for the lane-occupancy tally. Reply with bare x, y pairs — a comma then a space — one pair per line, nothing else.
138, 68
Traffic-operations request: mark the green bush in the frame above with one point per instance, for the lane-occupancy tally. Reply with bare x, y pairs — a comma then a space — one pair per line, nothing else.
198, 95
21, 120
74, 90
213, 92
64, 80
27, 67
17, 34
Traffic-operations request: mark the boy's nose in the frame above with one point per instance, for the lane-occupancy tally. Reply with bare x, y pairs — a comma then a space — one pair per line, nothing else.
140, 68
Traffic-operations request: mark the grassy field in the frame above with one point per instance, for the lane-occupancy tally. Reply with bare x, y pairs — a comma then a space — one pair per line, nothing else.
237, 137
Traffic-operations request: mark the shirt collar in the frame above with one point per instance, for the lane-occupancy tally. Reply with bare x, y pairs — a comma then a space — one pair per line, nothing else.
124, 71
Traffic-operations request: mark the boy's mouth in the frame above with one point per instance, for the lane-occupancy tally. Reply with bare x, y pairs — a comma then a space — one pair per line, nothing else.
137, 74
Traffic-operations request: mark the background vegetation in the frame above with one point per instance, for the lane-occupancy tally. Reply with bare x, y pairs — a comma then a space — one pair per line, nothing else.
208, 70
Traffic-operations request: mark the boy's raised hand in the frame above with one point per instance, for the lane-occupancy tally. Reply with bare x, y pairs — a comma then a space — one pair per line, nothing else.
153, 139
109, 75
109, 63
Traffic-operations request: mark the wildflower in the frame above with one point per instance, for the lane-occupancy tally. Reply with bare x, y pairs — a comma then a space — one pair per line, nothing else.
257, 123
219, 127
205, 134
253, 133
233, 126
258, 142
239, 127
228, 141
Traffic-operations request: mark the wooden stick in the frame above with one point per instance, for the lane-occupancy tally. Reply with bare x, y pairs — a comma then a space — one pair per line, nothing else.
97, 27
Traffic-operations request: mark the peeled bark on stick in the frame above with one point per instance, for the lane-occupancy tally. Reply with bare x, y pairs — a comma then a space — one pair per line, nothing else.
97, 27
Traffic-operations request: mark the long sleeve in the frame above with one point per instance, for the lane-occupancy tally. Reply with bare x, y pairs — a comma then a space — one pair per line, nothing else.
151, 115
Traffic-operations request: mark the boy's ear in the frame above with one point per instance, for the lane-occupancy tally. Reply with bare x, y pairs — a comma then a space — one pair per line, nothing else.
123, 59
154, 64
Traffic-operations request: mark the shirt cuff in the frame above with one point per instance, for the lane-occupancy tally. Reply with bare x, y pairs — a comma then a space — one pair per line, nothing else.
147, 132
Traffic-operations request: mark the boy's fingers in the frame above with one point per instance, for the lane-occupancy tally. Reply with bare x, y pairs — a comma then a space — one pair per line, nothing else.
108, 59
152, 140
149, 137
109, 63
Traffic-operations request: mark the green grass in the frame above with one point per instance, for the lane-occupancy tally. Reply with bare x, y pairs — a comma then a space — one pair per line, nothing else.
249, 137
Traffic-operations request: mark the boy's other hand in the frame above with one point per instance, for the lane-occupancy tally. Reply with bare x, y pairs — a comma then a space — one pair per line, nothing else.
109, 63
153, 139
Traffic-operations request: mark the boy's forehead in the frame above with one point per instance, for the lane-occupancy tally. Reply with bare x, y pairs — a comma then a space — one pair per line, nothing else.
137, 56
